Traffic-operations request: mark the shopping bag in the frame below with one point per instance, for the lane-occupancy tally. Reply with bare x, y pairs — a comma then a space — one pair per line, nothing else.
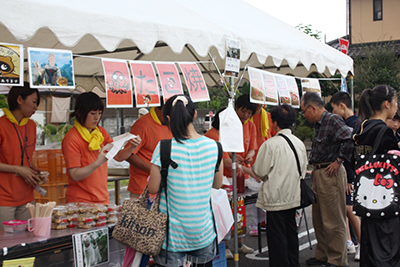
240, 217
222, 212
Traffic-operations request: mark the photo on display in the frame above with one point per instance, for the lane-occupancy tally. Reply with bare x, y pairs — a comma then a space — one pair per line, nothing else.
91, 248
11, 64
50, 68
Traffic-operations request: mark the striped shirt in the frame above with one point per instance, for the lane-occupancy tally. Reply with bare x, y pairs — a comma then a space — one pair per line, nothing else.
189, 190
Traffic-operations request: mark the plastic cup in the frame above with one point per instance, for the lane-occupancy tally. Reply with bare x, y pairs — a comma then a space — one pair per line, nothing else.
40, 226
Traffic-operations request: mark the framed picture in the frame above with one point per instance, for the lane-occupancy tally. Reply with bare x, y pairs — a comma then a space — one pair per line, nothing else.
91, 248
11, 64
50, 68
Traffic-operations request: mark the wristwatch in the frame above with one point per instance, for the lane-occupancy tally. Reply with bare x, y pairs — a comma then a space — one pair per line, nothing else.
339, 161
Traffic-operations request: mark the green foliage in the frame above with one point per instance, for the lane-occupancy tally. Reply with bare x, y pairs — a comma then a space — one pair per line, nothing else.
307, 30
3, 102
328, 87
378, 65
304, 132
218, 99
51, 129
64, 128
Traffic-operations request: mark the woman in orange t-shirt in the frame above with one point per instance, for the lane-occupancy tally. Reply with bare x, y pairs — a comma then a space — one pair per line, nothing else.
18, 174
85, 154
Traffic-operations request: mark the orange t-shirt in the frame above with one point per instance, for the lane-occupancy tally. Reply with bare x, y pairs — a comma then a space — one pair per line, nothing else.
14, 191
92, 189
261, 139
151, 132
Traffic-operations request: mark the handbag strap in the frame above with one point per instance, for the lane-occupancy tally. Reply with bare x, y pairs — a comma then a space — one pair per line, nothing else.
294, 151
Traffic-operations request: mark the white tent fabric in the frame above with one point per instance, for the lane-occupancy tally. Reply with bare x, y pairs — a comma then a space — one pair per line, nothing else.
165, 30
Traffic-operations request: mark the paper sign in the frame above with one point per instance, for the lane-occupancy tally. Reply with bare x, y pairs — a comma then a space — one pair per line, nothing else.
118, 143
293, 91
310, 85
11, 64
118, 84
263, 89
232, 60
270, 89
195, 82
230, 131
257, 94
50, 68
283, 90
169, 79
146, 85
91, 248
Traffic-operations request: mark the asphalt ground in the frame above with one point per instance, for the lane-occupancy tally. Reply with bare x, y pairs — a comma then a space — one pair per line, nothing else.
257, 259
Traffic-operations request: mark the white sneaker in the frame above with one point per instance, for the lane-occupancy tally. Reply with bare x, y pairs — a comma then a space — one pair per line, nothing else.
351, 248
357, 256
245, 249
228, 254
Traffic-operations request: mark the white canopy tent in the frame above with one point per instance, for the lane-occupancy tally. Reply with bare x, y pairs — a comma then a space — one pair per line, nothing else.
165, 30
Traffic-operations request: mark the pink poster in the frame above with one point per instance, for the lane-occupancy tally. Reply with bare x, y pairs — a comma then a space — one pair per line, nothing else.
118, 84
169, 79
146, 85
271, 92
195, 82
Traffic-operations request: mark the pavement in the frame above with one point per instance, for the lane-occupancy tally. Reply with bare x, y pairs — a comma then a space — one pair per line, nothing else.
257, 259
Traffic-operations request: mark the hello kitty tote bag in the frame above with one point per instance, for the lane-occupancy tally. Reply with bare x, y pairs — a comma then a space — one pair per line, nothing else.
376, 185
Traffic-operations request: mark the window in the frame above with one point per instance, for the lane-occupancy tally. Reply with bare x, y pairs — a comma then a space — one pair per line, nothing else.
377, 10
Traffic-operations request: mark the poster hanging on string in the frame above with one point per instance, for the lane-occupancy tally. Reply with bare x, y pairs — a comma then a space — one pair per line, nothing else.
169, 79
50, 68
283, 90
11, 64
118, 84
145, 84
195, 82
293, 91
310, 85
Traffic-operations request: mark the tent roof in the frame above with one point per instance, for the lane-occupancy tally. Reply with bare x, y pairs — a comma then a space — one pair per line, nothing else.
165, 30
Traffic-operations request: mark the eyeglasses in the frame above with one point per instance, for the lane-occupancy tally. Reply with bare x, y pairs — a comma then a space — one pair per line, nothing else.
304, 111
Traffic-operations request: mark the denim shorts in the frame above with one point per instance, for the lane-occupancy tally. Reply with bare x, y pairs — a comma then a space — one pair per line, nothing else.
199, 256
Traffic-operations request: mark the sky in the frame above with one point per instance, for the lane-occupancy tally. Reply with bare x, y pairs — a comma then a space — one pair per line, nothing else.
327, 16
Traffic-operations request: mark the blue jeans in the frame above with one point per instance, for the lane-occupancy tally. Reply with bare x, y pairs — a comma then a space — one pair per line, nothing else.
196, 257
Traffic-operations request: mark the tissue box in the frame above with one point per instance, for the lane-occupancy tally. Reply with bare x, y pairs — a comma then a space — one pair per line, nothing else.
14, 226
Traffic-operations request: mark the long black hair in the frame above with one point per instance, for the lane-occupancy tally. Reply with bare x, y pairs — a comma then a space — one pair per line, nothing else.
371, 100
24, 92
180, 116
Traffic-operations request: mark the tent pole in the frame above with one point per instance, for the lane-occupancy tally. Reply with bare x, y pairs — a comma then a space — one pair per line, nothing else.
234, 184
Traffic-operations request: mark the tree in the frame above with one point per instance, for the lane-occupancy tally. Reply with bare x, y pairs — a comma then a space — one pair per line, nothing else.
307, 30
377, 65
3, 102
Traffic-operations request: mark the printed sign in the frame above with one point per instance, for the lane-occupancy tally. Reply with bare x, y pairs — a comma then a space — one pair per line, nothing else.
310, 85
146, 85
293, 91
118, 84
50, 68
91, 248
195, 82
232, 60
11, 64
169, 79
263, 89
283, 90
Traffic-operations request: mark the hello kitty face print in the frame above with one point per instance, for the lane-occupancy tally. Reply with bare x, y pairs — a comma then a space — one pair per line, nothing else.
377, 186
375, 196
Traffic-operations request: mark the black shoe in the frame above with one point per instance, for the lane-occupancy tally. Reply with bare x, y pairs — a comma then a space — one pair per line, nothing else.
331, 265
315, 262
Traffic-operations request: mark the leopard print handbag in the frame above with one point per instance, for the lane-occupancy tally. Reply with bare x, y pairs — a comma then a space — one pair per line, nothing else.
140, 228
